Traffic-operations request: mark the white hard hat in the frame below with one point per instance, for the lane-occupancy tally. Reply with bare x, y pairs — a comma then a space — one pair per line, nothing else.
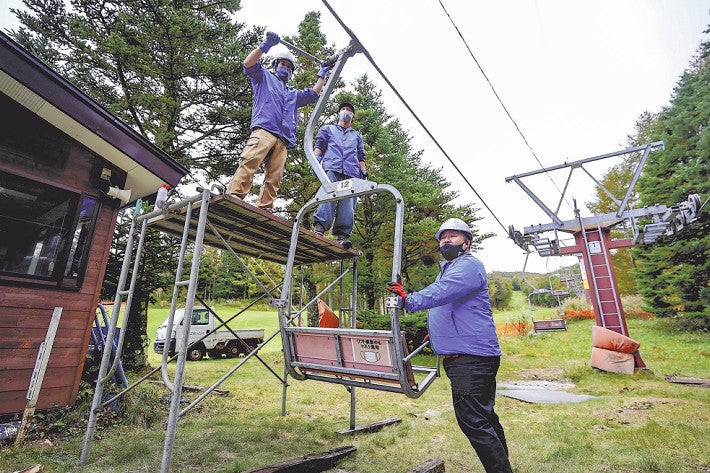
455, 224
285, 56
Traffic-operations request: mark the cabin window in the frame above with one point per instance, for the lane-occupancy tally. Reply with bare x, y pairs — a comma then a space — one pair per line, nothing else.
45, 232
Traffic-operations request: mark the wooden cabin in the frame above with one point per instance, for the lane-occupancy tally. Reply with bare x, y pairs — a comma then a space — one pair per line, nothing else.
63, 161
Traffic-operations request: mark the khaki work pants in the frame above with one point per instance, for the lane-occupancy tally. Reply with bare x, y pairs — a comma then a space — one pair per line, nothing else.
262, 147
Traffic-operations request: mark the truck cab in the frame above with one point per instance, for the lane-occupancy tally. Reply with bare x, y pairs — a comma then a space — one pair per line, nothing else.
203, 339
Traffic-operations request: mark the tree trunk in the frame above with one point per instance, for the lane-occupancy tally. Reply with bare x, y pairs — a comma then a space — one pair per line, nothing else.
369, 290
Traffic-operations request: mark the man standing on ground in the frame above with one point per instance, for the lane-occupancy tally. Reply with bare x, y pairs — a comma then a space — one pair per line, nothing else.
462, 330
341, 152
273, 121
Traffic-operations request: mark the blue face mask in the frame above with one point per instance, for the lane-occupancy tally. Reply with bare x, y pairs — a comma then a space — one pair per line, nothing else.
283, 73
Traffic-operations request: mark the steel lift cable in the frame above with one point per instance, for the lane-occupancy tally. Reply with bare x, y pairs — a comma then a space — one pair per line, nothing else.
416, 117
500, 101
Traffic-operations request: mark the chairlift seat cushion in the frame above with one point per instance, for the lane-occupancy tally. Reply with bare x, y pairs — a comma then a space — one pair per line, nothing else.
611, 340
612, 361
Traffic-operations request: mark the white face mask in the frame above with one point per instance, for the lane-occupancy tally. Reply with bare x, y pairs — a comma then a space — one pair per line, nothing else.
345, 115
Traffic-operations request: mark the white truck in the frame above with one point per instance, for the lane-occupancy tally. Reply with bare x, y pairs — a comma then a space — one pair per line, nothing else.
216, 344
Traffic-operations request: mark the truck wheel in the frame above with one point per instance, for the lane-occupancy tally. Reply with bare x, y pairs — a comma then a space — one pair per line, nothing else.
216, 354
195, 353
232, 350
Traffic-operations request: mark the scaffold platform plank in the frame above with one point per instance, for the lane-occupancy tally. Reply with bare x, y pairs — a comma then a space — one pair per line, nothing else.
251, 231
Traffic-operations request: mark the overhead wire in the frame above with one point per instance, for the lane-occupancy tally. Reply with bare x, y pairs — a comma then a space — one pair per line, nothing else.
500, 101
416, 117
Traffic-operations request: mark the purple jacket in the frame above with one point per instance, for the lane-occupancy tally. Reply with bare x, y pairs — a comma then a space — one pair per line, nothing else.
342, 148
276, 104
460, 316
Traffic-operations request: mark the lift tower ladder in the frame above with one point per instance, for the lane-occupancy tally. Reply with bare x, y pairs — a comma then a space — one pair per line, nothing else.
602, 284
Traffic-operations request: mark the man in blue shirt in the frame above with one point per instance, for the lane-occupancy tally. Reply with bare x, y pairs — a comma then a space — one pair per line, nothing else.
461, 328
341, 152
273, 121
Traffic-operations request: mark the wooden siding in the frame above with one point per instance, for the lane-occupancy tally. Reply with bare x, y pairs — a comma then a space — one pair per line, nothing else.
25, 310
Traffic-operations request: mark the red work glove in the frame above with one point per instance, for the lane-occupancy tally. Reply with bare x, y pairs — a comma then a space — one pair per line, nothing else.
396, 288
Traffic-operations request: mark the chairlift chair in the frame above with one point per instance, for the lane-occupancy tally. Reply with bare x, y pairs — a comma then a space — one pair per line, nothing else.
374, 359
545, 325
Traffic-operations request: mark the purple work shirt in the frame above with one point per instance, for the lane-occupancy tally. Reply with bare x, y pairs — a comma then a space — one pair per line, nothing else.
342, 149
275, 104
460, 316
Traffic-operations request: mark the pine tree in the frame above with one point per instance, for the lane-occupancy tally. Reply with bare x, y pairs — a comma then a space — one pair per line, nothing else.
170, 69
675, 275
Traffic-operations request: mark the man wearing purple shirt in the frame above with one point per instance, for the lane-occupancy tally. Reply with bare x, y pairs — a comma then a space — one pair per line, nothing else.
461, 329
273, 121
341, 152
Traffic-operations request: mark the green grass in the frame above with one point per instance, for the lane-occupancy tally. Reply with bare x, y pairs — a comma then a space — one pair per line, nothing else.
638, 424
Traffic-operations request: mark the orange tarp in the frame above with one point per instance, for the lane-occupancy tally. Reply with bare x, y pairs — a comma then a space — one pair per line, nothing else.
326, 316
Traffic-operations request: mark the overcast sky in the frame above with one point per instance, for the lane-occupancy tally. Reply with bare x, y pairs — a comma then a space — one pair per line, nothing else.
574, 75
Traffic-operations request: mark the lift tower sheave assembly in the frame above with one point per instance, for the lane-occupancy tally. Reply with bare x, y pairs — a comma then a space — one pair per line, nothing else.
593, 237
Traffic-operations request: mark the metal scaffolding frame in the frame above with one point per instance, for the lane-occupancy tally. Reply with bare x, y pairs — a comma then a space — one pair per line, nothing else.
203, 219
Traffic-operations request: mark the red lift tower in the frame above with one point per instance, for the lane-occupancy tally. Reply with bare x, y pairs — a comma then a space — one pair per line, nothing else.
593, 239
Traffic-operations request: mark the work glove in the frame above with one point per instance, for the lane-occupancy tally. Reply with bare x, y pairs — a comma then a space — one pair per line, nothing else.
323, 71
272, 39
396, 288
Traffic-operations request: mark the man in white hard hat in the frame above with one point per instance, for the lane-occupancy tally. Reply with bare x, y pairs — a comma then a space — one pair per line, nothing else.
461, 329
273, 121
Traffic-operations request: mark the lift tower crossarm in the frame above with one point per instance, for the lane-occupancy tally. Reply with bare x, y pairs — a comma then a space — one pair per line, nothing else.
608, 219
647, 148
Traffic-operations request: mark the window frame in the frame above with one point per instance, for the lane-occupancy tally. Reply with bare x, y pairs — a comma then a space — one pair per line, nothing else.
57, 279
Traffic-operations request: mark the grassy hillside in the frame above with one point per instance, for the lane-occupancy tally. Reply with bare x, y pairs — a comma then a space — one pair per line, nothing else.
637, 423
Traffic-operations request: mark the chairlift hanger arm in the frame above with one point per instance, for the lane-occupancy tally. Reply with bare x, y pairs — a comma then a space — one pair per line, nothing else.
525, 278
337, 61
310, 56
343, 56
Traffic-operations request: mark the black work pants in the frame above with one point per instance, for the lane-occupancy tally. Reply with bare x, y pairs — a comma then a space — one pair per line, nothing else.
473, 388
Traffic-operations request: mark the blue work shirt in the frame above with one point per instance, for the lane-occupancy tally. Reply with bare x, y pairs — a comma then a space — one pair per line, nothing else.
460, 317
342, 149
276, 104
